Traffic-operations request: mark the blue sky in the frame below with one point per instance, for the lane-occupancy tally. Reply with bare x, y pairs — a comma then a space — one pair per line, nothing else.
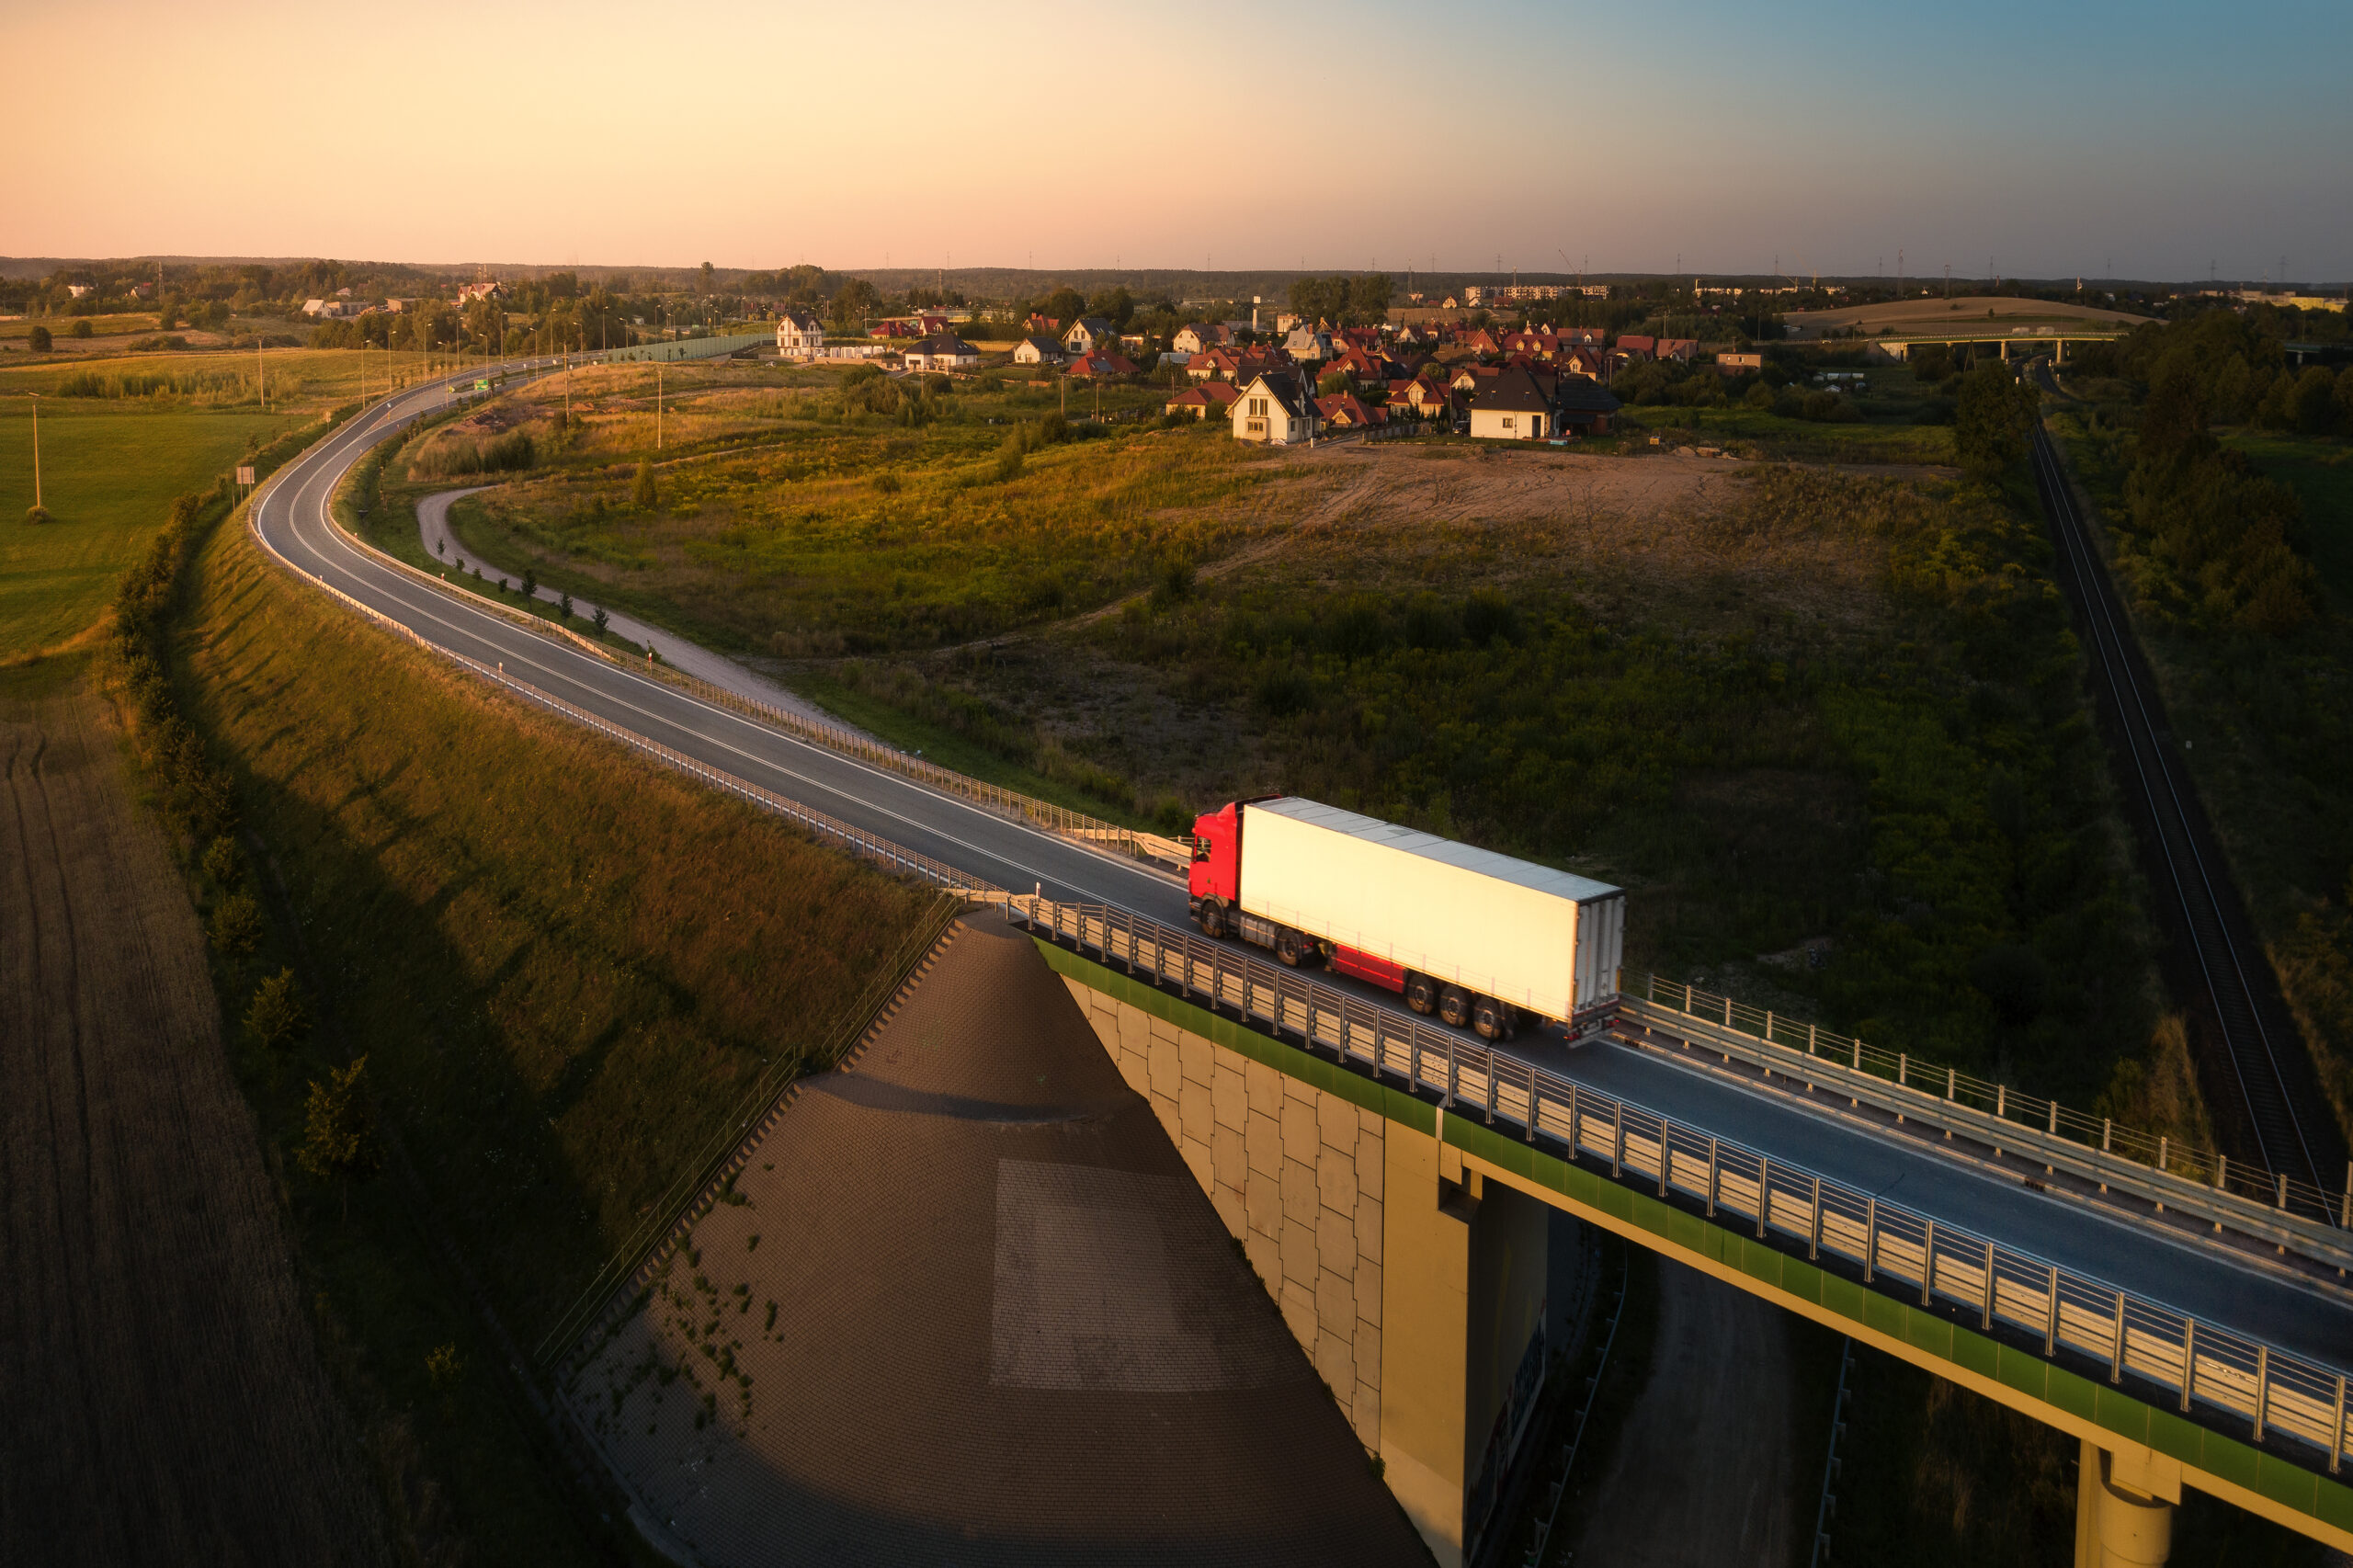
2038, 140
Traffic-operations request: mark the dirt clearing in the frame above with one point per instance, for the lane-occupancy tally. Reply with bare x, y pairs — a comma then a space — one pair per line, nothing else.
164, 1397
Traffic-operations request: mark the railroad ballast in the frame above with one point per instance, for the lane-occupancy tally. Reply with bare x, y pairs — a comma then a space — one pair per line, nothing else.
1472, 936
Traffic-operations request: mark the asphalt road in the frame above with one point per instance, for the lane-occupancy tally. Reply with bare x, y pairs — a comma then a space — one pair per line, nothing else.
2159, 1267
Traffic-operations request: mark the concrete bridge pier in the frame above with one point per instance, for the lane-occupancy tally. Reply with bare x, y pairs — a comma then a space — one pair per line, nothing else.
2124, 1503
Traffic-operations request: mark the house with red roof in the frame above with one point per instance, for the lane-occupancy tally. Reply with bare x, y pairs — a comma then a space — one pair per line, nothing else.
1209, 400
1102, 365
1345, 411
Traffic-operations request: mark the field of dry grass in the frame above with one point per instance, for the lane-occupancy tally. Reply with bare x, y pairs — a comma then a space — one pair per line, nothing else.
164, 1394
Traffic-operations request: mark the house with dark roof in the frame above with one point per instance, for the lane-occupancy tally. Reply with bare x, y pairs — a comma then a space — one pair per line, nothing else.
1275, 410
800, 335
1088, 333
1038, 350
1521, 404
945, 353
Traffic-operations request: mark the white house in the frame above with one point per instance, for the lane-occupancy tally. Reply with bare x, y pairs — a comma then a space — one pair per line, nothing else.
942, 353
1273, 410
800, 335
1194, 339
1512, 407
1089, 335
1038, 351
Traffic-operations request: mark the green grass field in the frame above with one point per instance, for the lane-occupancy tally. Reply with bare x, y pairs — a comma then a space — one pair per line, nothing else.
2319, 468
108, 473
1792, 440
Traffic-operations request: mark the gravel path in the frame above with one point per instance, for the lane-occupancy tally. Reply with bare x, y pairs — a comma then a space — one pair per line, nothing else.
433, 527
160, 1394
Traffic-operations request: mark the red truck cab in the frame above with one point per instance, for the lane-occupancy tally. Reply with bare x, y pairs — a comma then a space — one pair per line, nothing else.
1214, 879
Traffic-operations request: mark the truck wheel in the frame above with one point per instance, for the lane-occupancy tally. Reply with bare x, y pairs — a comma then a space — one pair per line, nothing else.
1453, 1005
1421, 993
1286, 947
1212, 920
1487, 1019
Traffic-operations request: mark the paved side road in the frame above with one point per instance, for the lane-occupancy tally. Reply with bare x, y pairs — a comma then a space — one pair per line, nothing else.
433, 527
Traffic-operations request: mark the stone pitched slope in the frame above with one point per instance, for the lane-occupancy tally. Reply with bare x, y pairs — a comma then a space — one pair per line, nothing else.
972, 1308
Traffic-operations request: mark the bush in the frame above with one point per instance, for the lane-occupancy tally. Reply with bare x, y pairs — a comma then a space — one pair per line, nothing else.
275, 1018
83, 328
40, 341
644, 492
511, 452
1008, 458
1760, 398
38, 516
224, 862
886, 484
235, 926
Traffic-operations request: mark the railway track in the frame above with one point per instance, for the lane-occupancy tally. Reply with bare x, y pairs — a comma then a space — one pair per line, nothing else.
2187, 874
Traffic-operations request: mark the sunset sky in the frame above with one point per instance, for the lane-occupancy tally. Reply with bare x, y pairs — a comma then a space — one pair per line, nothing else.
2043, 139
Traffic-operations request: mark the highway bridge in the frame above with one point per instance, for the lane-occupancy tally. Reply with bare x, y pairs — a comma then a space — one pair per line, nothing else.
2190, 1325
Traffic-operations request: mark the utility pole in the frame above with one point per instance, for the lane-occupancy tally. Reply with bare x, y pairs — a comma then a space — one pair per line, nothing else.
35, 397
657, 405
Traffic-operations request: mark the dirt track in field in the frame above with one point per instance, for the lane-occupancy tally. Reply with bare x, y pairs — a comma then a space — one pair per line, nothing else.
160, 1395
1703, 1473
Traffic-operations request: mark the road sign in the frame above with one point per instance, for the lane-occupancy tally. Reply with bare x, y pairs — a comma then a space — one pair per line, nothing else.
244, 476
482, 386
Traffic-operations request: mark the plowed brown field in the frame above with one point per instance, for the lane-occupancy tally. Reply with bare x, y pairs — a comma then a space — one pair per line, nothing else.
160, 1394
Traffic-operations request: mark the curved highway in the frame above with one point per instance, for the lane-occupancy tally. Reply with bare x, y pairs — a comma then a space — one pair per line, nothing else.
292, 518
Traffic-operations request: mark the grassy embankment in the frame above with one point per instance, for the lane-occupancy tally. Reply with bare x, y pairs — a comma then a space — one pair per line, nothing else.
556, 1019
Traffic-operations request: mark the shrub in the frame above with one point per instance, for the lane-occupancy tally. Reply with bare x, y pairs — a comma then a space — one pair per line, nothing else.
1760, 397
275, 1018
886, 484
225, 863
510, 453
599, 619
563, 606
235, 926
643, 491
530, 588
83, 328
38, 516
40, 341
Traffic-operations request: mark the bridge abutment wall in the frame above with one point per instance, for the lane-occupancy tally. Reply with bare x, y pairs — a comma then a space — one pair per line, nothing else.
1416, 1287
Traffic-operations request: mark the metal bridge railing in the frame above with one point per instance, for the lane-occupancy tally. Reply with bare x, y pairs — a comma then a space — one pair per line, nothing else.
2277, 1207
2276, 1391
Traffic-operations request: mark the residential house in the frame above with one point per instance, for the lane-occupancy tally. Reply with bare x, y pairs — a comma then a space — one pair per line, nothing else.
1044, 327
800, 335
1423, 400
1512, 407
1102, 365
1088, 333
1682, 351
81, 290
1038, 349
1273, 410
1536, 345
1732, 364
1582, 407
1345, 411
1305, 342
1207, 399
891, 329
1582, 359
1472, 378
470, 293
931, 325
942, 353
1193, 338
1480, 342
1634, 349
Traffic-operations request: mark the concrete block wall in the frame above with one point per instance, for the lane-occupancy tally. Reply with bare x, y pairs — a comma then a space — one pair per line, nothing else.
1295, 1172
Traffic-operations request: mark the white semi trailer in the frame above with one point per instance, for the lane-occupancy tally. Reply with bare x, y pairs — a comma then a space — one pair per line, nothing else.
1474, 937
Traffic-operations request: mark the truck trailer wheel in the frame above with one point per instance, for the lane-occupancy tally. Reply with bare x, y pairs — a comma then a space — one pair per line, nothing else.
1286, 945
1453, 1006
1487, 1019
1421, 993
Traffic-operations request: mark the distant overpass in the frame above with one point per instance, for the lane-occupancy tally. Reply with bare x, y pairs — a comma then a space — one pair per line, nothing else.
2040, 338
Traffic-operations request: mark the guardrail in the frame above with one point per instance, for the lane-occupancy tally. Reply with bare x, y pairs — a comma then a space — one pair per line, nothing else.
1009, 803
2278, 1209
2277, 1392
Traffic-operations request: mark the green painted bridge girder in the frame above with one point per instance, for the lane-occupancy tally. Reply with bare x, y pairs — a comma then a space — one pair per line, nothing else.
2278, 1488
